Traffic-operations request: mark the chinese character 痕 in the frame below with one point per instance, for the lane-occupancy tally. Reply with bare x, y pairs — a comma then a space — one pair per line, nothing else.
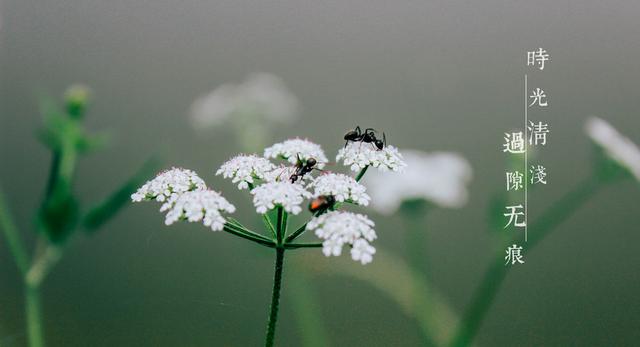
538, 174
539, 97
514, 180
514, 215
538, 58
514, 142
514, 255
538, 133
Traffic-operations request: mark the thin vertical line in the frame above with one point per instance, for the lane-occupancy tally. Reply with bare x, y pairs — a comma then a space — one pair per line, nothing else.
526, 163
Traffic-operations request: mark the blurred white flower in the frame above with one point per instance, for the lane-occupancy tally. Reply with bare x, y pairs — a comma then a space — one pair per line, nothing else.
286, 194
440, 178
167, 186
201, 205
338, 228
616, 145
342, 187
243, 169
291, 149
263, 96
358, 155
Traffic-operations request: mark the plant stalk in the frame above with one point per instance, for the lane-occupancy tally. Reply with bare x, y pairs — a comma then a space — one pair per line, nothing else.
33, 312
275, 298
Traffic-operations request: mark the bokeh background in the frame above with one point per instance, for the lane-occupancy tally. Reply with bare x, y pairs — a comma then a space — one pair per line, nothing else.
432, 75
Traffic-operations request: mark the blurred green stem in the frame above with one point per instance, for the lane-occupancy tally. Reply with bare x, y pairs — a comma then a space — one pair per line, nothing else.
275, 298
361, 173
14, 242
33, 313
488, 288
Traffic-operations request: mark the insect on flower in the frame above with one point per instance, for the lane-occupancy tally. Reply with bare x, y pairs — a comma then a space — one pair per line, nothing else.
368, 136
322, 203
302, 168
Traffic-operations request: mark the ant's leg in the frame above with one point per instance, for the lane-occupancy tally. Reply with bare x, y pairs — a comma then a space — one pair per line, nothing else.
384, 139
357, 130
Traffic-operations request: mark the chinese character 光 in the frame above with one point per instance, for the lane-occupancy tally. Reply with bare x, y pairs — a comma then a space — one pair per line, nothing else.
537, 58
538, 174
514, 180
514, 255
539, 97
513, 216
538, 133
514, 143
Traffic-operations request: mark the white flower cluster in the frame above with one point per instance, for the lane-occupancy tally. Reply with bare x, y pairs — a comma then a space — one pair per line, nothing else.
243, 169
168, 186
617, 146
286, 194
440, 178
342, 187
200, 205
262, 96
359, 155
338, 228
290, 150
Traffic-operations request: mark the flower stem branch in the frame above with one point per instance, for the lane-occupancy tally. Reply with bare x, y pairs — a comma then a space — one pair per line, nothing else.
33, 312
488, 288
233, 230
361, 173
302, 245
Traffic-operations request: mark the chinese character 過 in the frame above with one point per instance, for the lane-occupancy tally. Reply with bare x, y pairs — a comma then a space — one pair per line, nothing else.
538, 174
514, 143
539, 97
513, 216
514, 255
537, 57
538, 133
514, 180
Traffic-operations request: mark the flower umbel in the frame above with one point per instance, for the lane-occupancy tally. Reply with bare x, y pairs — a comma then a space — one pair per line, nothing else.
168, 186
342, 187
200, 205
439, 177
288, 195
244, 169
358, 155
293, 149
617, 146
337, 228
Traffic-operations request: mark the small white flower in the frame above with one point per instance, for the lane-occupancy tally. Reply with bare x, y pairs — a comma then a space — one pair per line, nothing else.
338, 228
342, 187
261, 97
616, 145
201, 205
244, 169
439, 177
286, 194
167, 186
359, 155
291, 149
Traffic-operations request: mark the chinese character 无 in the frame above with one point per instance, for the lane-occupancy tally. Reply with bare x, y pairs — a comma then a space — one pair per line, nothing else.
514, 180
514, 255
537, 58
539, 97
538, 174
538, 133
514, 215
514, 143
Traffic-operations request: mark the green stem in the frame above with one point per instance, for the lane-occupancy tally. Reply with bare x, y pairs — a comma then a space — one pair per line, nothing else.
14, 242
33, 312
42, 265
246, 231
275, 298
488, 288
279, 225
361, 173
269, 225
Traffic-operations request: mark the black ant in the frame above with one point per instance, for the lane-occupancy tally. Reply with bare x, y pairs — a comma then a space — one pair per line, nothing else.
303, 168
368, 136
322, 203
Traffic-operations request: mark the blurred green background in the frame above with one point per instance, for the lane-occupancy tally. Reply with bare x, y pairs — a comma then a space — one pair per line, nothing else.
432, 75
